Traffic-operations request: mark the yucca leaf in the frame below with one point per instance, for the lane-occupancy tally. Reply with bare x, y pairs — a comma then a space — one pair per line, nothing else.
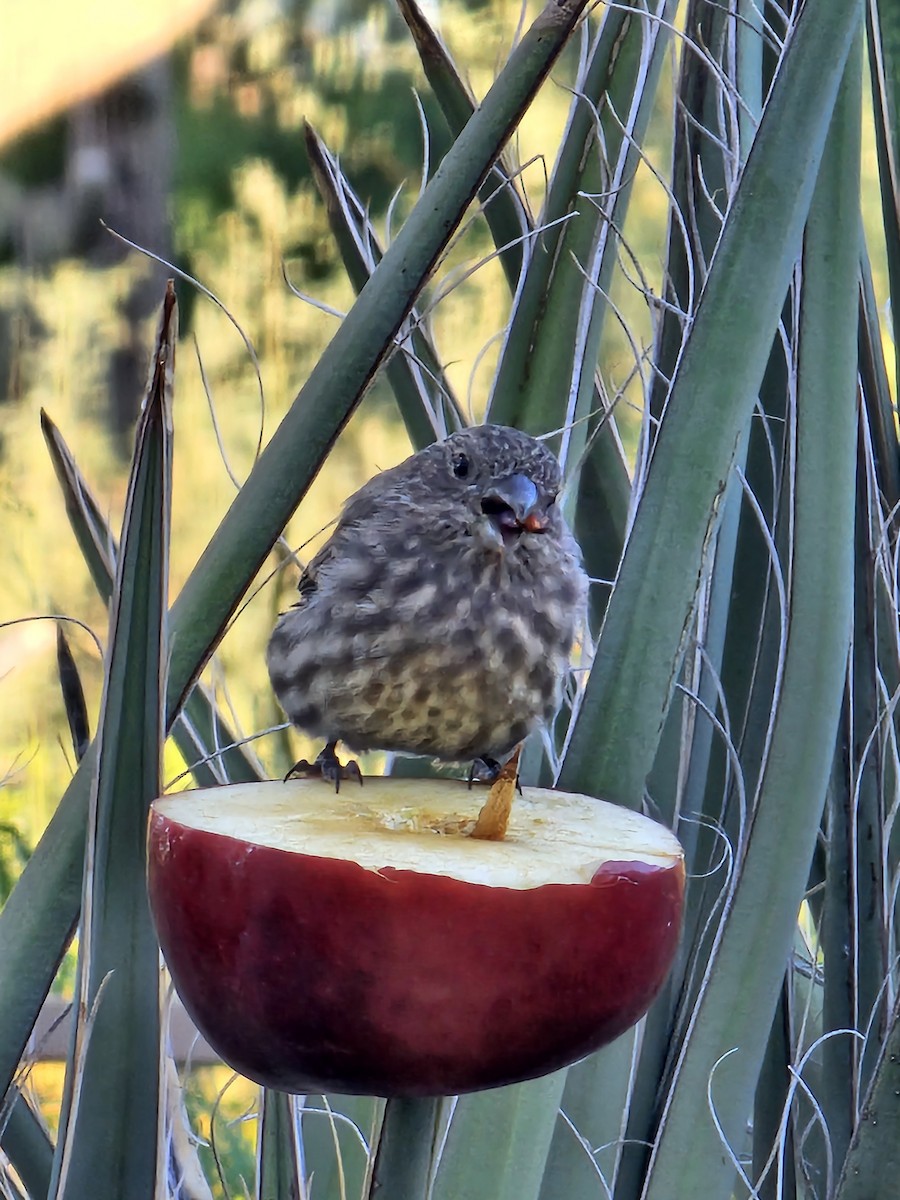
601, 516
853, 942
422, 390
27, 1144
335, 1154
39, 918
706, 152
837, 1090
504, 209
278, 1155
200, 731
699, 169
735, 1007
750, 665
640, 647
407, 1148
545, 379
772, 1094
208, 743
856, 886
498, 1142
580, 149
872, 1167
588, 1133
88, 523
110, 1149
73, 696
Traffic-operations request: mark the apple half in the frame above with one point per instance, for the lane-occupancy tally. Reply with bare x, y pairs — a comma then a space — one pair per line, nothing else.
364, 943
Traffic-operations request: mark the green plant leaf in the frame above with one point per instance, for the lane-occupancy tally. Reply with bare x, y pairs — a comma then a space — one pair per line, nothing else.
873, 1163
854, 915
424, 396
111, 1149
586, 1139
545, 379
498, 1142
278, 1155
335, 1154
407, 1148
772, 1095
27, 1143
504, 209
640, 648
73, 696
703, 157
735, 1007
200, 732
95, 540
39, 918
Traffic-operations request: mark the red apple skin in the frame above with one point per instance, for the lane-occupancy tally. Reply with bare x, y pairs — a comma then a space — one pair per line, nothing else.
312, 974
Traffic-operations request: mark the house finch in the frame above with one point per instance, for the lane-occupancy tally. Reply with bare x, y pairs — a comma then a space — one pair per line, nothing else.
439, 617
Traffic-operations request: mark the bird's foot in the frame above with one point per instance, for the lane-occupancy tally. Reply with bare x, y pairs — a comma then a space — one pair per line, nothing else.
487, 770
328, 767
483, 770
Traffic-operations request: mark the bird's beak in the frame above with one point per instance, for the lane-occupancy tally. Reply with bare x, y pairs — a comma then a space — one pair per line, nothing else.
514, 503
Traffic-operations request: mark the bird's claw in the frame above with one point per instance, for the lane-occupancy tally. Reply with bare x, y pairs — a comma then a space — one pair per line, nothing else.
487, 770
483, 770
328, 767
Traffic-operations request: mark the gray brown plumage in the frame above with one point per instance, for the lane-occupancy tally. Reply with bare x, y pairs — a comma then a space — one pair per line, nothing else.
438, 619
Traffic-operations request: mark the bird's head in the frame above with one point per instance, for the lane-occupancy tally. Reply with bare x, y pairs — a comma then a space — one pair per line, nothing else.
501, 483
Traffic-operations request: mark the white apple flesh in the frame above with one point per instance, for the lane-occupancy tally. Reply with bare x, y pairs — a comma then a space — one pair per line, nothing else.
361, 942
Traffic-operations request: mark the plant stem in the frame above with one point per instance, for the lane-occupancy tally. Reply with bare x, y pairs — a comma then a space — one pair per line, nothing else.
406, 1148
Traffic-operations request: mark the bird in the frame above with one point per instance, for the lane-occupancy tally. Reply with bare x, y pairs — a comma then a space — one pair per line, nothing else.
439, 617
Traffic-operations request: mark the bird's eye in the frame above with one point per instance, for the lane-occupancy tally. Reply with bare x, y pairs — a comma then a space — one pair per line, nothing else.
460, 466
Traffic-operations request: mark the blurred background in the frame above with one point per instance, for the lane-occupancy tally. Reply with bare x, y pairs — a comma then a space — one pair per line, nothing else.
179, 124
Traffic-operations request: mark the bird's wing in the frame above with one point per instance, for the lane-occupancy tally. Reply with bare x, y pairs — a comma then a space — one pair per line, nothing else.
307, 585
373, 505
309, 580
355, 509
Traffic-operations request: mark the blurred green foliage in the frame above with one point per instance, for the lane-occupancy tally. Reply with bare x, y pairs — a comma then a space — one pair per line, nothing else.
14, 853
